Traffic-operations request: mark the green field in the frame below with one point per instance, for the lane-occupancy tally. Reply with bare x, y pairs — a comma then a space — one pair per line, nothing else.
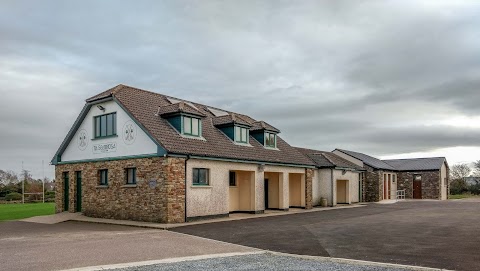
462, 196
19, 211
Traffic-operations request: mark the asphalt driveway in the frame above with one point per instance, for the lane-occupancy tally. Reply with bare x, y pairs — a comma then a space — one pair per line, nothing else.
33, 246
441, 234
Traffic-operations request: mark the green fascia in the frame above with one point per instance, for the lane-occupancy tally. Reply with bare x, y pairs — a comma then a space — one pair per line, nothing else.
110, 159
238, 161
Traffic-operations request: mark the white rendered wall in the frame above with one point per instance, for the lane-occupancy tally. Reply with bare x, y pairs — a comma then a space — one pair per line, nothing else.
214, 199
349, 158
138, 142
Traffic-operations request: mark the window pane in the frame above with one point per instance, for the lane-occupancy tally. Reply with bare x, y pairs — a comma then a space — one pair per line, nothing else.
233, 178
203, 176
267, 139
187, 125
103, 125
114, 124
195, 127
109, 124
237, 134
195, 176
97, 127
244, 135
272, 139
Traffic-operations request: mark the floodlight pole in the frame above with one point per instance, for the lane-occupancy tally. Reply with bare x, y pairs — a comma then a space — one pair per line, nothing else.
43, 181
23, 187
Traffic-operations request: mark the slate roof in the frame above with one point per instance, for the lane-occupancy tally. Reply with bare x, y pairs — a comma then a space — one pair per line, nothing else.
431, 163
143, 106
369, 160
325, 159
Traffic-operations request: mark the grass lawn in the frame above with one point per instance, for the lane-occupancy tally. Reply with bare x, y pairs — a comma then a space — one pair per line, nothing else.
19, 211
462, 196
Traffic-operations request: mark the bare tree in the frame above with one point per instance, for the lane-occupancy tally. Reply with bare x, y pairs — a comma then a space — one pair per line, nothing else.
459, 171
476, 167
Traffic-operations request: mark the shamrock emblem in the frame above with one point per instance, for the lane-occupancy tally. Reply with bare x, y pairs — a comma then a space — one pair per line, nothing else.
82, 140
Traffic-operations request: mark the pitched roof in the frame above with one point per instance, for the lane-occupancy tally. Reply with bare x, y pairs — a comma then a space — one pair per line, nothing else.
230, 119
368, 160
325, 159
180, 107
261, 125
143, 106
431, 163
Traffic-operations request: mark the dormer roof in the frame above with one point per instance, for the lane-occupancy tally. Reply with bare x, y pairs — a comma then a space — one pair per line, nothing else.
262, 125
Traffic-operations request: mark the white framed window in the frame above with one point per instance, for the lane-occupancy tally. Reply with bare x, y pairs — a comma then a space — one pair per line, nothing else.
191, 126
241, 134
270, 140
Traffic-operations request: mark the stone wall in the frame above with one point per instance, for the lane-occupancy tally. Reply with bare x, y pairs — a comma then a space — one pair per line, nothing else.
158, 196
372, 184
308, 188
430, 184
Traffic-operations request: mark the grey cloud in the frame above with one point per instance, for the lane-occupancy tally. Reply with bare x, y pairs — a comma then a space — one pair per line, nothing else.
336, 74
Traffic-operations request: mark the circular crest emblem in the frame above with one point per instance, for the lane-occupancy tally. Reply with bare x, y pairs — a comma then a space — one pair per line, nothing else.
129, 132
82, 142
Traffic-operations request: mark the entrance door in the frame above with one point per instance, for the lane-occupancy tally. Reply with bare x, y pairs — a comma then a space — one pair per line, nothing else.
79, 191
65, 191
342, 191
417, 189
266, 193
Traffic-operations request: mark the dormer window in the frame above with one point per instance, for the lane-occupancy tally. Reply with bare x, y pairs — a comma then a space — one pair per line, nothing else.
191, 126
241, 134
270, 140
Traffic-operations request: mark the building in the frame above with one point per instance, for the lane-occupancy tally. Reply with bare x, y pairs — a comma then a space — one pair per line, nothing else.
138, 155
419, 178
335, 179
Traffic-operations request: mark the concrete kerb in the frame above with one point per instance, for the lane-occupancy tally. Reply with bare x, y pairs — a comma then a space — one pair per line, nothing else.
359, 262
164, 261
224, 255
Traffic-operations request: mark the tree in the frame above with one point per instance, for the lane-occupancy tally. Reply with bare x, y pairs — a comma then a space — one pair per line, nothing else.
8, 176
460, 171
476, 166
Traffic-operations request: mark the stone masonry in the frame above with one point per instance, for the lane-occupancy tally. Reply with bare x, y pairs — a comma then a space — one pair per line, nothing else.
158, 196
372, 184
430, 183
308, 188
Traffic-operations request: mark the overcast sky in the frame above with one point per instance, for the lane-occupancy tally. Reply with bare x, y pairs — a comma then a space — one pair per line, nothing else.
388, 78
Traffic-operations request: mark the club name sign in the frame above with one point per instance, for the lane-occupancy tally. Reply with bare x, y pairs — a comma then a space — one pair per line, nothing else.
105, 148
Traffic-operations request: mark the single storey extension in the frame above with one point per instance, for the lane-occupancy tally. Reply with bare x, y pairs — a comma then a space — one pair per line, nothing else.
418, 178
336, 179
138, 155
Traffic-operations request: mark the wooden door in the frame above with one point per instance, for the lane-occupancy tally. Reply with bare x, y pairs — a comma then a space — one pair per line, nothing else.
417, 189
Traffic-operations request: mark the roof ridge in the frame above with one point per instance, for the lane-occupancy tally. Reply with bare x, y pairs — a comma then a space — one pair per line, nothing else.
329, 160
415, 158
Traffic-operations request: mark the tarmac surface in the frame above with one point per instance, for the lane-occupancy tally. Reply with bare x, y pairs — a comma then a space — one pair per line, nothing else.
438, 234
35, 246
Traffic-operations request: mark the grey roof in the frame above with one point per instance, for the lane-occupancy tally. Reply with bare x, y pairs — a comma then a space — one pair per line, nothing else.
368, 160
431, 163
325, 159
